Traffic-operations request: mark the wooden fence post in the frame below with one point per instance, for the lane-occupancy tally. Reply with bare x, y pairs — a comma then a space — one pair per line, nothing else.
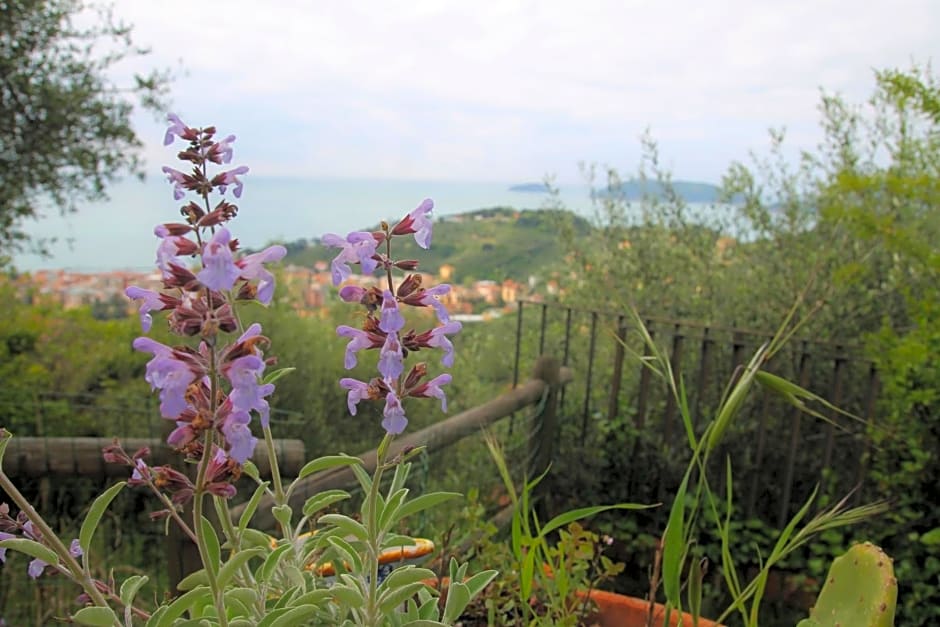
544, 430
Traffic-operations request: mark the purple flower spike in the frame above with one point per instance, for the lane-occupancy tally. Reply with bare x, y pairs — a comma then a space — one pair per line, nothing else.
433, 389
428, 299
395, 420
252, 268
439, 340
392, 321
219, 271
168, 374
224, 179
177, 129
391, 358
357, 247
148, 300
177, 178
359, 340
422, 223
358, 391
247, 393
238, 435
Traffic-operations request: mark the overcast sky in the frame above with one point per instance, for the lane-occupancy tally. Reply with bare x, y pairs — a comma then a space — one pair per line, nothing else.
513, 90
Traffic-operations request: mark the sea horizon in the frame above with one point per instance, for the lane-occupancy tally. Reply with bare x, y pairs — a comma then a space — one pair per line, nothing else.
117, 234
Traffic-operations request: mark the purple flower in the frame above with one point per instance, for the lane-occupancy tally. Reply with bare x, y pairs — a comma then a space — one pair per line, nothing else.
171, 246
391, 358
177, 128
352, 293
9, 536
428, 299
358, 247
433, 389
238, 435
168, 374
359, 340
391, 321
219, 271
357, 391
37, 566
395, 420
230, 177
178, 179
225, 147
252, 268
253, 330
439, 339
422, 223
148, 300
247, 393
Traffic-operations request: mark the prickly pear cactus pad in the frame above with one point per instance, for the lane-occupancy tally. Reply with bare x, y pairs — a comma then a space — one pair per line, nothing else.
860, 591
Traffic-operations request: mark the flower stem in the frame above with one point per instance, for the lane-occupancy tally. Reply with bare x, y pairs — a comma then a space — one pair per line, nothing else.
77, 572
279, 495
198, 499
373, 615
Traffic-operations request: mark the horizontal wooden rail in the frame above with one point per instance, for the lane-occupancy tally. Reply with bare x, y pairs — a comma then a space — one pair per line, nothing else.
31, 457
435, 437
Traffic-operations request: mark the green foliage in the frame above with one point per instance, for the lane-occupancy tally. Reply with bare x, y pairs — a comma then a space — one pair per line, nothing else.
486, 244
65, 125
859, 590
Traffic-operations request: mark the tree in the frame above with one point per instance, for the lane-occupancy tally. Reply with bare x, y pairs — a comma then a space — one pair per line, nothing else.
65, 129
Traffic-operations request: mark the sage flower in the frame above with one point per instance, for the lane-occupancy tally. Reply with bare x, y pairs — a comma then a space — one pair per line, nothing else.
357, 247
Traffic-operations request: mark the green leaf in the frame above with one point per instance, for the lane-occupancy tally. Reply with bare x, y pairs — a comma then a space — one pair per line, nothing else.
674, 545
327, 462
31, 548
271, 562
193, 580
345, 524
577, 514
932, 537
323, 500
95, 512
130, 587
235, 562
213, 549
423, 502
478, 582
252, 506
347, 553
392, 507
394, 597
458, 596
176, 609
282, 514
96, 616
274, 375
295, 616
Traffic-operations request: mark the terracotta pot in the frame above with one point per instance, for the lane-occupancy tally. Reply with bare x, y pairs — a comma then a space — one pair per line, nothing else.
617, 610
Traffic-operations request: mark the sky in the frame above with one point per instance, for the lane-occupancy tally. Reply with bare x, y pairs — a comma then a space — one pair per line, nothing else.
514, 90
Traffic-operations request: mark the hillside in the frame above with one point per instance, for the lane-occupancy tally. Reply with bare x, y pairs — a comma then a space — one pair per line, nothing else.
496, 244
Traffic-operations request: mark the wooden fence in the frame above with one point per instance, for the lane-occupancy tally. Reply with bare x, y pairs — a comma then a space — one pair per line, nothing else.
778, 453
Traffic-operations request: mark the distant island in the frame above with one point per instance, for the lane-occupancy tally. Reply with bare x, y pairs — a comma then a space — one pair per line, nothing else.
636, 189
529, 188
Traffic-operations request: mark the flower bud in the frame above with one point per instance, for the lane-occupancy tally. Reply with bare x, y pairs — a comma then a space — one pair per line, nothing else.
411, 283
407, 264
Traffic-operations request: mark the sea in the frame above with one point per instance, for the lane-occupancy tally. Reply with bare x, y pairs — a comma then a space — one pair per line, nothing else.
118, 233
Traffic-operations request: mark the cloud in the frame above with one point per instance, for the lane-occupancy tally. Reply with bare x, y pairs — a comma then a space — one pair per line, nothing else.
514, 89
